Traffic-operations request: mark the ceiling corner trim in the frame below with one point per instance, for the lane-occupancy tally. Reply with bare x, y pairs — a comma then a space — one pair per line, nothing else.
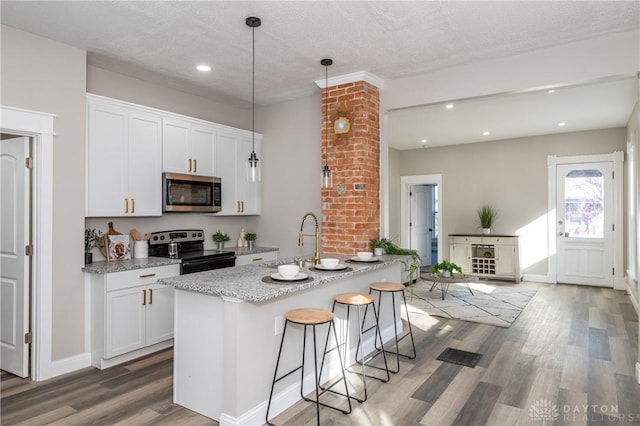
352, 78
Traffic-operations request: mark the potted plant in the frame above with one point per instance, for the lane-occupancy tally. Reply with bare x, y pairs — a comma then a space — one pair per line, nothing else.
91, 238
446, 269
250, 238
389, 247
377, 246
486, 216
220, 238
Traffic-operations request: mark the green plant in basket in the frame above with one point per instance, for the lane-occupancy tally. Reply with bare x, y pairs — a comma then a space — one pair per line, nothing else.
445, 267
250, 236
486, 216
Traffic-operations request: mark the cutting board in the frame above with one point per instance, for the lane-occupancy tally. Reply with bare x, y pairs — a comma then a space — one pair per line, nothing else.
103, 240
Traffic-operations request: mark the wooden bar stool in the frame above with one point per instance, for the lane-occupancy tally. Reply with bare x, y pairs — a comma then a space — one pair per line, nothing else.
386, 287
310, 317
358, 300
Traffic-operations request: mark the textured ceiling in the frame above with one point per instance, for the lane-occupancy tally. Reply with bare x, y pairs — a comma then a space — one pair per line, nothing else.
163, 41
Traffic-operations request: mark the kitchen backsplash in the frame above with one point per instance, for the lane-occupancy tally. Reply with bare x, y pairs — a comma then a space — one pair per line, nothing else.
175, 221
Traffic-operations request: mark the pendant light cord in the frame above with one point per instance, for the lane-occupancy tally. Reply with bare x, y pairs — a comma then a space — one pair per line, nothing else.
326, 113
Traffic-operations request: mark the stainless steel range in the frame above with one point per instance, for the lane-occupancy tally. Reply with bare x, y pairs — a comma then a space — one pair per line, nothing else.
190, 244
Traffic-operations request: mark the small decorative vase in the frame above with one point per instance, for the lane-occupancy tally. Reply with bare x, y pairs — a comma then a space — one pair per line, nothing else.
486, 231
378, 251
221, 246
250, 244
88, 258
446, 274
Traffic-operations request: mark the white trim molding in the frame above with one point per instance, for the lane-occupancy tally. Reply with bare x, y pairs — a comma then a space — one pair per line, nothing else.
39, 126
352, 78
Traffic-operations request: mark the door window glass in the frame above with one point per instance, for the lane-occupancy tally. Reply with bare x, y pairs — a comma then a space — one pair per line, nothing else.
584, 204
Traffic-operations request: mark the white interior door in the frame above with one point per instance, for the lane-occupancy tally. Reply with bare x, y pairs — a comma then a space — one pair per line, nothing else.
584, 228
420, 223
14, 264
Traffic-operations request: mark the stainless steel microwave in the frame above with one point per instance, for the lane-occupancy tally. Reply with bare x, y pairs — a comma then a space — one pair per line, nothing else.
190, 193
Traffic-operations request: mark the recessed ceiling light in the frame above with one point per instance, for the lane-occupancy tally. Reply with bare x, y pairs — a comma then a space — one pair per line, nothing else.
449, 106
551, 91
203, 68
423, 141
561, 124
486, 133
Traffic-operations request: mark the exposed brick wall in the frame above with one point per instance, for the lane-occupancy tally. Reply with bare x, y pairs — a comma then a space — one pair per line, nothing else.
350, 220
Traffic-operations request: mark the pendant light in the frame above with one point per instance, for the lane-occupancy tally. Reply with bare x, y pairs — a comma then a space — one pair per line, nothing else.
326, 180
253, 165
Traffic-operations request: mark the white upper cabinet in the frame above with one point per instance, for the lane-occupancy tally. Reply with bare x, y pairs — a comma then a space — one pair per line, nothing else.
188, 147
239, 197
129, 147
124, 155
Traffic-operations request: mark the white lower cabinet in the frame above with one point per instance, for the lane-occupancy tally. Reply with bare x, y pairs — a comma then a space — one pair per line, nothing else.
131, 315
250, 259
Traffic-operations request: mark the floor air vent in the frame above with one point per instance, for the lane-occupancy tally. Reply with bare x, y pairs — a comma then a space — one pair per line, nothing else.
456, 356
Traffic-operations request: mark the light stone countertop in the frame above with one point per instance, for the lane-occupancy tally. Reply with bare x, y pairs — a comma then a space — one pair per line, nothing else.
104, 267
245, 282
241, 251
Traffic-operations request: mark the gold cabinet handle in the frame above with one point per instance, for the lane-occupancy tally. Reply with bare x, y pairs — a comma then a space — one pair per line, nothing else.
195, 166
189, 164
133, 205
237, 206
144, 297
241, 206
257, 259
146, 275
151, 296
126, 205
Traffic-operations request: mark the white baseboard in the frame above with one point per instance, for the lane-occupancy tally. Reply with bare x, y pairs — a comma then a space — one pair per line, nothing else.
638, 372
70, 364
536, 278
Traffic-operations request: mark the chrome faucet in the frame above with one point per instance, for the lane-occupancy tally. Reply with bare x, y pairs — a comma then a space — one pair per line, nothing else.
316, 253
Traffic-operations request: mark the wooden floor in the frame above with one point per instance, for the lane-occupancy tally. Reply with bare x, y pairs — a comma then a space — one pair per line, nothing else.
568, 359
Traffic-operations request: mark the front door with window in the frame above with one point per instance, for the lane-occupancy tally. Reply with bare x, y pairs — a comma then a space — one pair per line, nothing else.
584, 223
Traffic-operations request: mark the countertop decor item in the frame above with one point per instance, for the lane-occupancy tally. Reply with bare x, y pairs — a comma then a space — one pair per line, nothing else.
486, 216
250, 238
91, 238
119, 248
253, 164
326, 181
103, 241
220, 238
389, 247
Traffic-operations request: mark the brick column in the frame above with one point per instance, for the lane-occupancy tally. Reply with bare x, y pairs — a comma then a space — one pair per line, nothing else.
351, 208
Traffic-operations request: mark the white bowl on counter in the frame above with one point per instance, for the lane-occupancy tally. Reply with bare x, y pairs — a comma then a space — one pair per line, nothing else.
364, 255
288, 271
329, 262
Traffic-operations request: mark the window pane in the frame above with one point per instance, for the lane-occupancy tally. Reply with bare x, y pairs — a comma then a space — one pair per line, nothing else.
583, 204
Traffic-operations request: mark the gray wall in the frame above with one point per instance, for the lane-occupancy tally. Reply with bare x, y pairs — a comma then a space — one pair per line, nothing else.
43, 75
511, 175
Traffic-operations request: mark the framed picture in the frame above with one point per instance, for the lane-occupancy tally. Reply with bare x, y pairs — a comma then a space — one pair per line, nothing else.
118, 248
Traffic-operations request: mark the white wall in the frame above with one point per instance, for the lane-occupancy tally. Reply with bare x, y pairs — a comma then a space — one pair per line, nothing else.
43, 75
511, 175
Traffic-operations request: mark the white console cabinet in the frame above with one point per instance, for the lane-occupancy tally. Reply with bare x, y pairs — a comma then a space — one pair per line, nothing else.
495, 256
131, 315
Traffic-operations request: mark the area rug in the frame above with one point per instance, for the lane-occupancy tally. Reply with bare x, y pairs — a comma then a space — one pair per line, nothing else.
492, 303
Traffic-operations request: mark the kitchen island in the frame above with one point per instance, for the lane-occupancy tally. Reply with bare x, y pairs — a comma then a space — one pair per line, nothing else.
228, 327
